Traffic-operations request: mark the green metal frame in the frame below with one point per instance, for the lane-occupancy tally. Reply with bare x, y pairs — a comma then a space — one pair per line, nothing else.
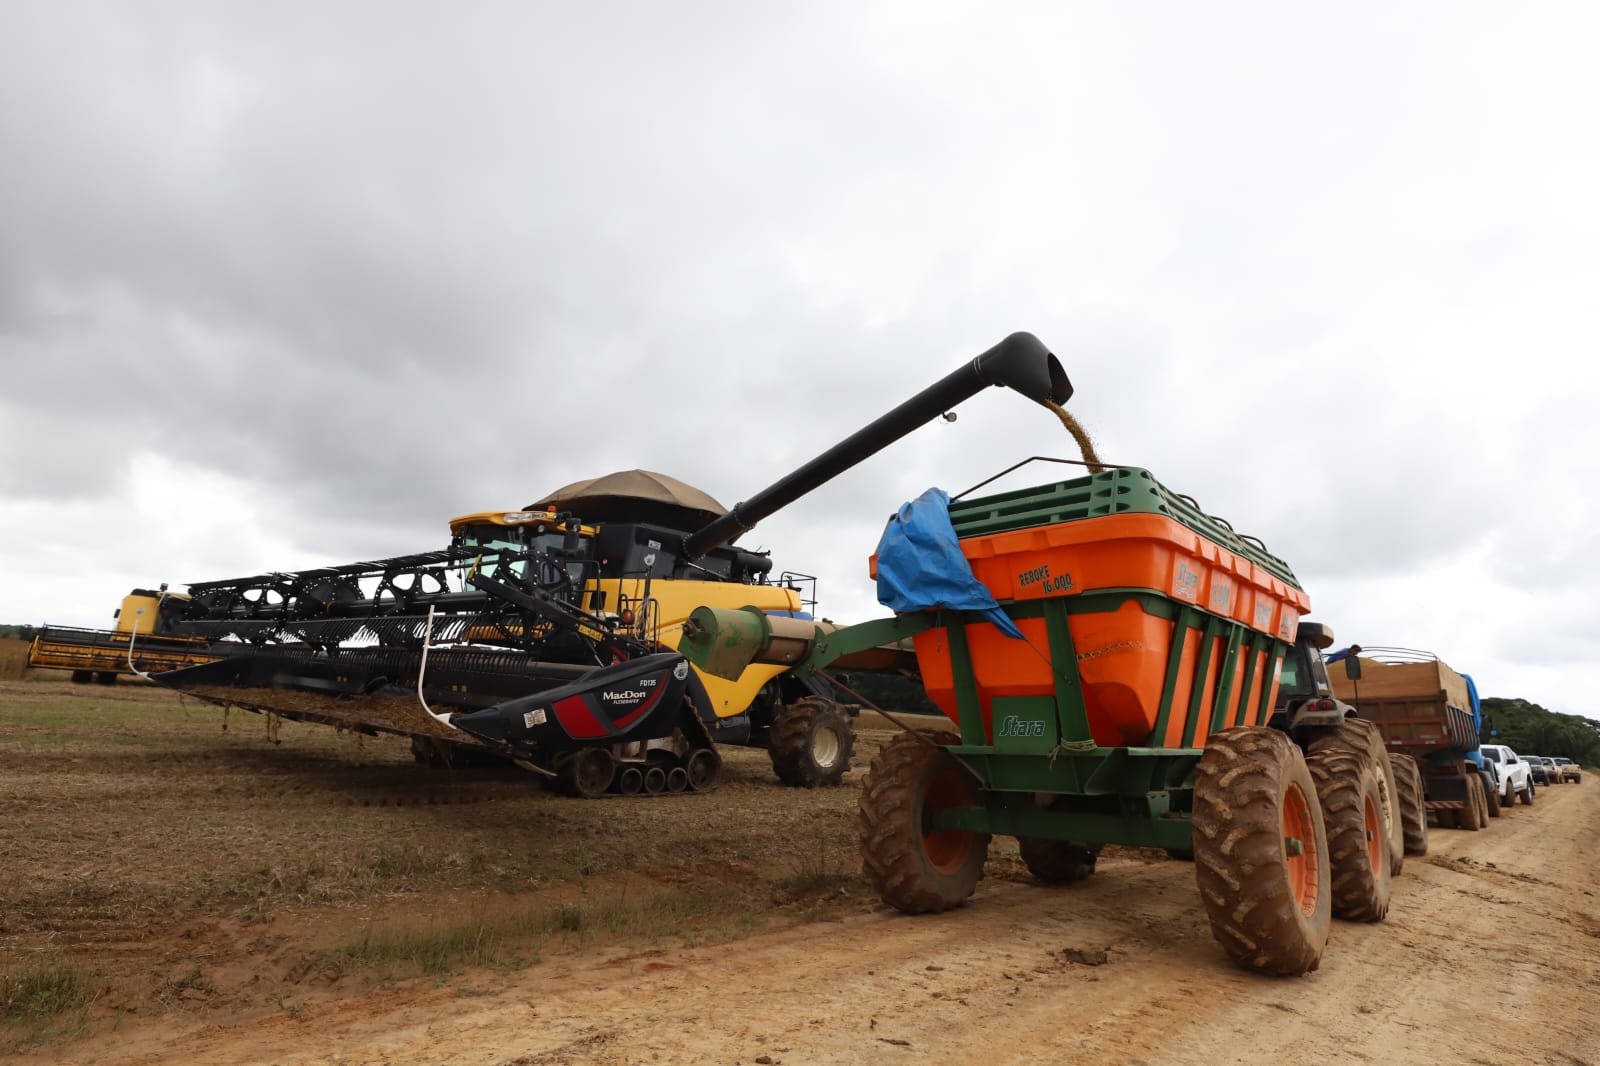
1140, 796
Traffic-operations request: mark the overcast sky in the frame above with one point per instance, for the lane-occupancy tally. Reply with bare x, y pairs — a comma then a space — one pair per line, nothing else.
285, 285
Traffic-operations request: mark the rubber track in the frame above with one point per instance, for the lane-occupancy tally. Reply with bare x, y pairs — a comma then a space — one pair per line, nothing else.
890, 826
787, 744
1239, 852
1413, 815
1344, 779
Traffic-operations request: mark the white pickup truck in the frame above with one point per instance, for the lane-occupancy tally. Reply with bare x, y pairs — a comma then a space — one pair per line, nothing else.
1512, 778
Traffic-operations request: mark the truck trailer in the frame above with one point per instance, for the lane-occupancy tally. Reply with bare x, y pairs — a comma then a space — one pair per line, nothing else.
1429, 712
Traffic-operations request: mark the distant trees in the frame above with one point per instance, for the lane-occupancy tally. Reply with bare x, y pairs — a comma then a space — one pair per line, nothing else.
18, 632
1532, 730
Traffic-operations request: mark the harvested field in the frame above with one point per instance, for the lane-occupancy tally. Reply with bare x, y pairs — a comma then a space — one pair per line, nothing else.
178, 888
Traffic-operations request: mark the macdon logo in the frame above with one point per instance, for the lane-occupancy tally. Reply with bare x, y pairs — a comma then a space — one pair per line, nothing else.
625, 694
1012, 726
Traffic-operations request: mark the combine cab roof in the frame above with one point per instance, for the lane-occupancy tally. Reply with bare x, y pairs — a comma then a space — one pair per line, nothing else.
634, 496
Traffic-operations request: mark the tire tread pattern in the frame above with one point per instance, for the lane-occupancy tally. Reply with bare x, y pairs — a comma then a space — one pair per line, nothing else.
1240, 856
1345, 780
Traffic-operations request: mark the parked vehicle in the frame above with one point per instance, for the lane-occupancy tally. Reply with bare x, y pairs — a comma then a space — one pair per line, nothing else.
1536, 767
1551, 768
1426, 710
1570, 771
1512, 774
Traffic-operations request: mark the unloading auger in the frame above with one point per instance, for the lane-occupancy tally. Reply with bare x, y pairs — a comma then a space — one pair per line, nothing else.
552, 641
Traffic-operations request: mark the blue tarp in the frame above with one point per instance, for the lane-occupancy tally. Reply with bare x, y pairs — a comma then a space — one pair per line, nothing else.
920, 565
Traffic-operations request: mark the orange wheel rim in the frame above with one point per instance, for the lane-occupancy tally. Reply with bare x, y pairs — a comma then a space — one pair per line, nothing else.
1374, 822
1300, 851
947, 849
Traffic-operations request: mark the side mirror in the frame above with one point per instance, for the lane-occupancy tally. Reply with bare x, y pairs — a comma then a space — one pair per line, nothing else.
1352, 663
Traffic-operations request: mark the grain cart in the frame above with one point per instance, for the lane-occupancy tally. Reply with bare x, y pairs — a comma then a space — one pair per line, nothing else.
1429, 713
1139, 704
548, 636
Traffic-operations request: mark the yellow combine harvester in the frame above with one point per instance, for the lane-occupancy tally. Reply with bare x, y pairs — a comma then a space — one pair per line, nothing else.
144, 628
549, 635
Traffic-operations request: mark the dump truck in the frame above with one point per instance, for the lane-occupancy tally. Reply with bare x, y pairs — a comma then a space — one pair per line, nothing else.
144, 640
1431, 713
1112, 662
549, 635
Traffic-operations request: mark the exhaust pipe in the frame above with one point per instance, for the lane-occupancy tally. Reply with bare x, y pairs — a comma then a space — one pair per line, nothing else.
1019, 362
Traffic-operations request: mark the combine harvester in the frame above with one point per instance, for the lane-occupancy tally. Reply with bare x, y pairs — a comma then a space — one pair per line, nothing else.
145, 639
549, 635
1119, 668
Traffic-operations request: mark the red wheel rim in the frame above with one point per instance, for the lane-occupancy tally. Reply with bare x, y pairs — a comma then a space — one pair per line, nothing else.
1305, 873
947, 849
1374, 828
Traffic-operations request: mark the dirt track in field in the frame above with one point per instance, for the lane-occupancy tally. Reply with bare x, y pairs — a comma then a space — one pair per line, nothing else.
1493, 940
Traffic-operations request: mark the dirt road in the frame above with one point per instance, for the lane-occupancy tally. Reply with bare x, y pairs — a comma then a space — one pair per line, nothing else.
1491, 954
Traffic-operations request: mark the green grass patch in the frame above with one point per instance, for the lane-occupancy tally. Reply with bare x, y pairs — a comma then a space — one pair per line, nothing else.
31, 993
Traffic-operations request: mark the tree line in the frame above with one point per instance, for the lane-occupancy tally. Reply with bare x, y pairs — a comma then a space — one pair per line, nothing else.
1529, 729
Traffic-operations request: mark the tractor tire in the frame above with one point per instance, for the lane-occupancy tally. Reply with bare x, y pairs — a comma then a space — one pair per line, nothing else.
105, 677
1413, 808
1358, 850
1358, 734
1268, 900
1057, 862
915, 871
82, 677
810, 743
1470, 817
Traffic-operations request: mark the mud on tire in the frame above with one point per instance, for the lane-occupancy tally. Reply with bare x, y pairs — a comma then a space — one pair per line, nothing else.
1358, 851
914, 871
811, 743
1413, 805
1360, 735
1268, 900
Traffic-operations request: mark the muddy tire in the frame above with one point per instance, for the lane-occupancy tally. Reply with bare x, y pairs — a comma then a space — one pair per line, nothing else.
810, 743
1491, 801
915, 871
1413, 808
1057, 862
1470, 817
1268, 900
1526, 795
1358, 734
1358, 850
